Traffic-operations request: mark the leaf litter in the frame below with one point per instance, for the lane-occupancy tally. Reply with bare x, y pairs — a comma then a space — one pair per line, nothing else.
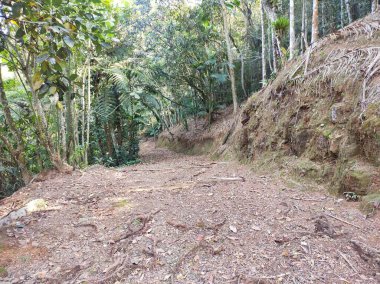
174, 229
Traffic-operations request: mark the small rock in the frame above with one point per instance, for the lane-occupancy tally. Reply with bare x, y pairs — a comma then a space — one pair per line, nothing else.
160, 250
233, 229
41, 275
256, 228
19, 225
23, 242
135, 260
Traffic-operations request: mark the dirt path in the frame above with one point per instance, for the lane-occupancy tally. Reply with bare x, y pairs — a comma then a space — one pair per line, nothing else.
184, 219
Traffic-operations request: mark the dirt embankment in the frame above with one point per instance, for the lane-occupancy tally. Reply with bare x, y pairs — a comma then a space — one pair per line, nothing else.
320, 119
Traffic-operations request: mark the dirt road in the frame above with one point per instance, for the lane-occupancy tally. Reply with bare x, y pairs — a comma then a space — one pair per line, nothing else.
184, 219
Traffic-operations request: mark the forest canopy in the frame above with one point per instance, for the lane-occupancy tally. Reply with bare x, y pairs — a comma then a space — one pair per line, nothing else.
82, 80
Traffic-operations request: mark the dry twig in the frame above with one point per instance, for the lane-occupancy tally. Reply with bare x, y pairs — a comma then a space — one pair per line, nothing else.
343, 221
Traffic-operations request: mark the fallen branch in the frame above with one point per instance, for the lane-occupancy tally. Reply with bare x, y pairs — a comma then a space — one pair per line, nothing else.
216, 227
348, 261
242, 179
307, 199
343, 221
178, 226
86, 225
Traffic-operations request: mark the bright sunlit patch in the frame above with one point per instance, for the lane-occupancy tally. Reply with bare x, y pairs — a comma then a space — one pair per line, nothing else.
120, 3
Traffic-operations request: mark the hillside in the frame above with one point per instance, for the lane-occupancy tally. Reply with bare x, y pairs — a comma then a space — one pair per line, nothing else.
319, 119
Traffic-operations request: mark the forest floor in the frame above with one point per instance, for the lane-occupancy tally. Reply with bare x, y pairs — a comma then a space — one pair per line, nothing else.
185, 219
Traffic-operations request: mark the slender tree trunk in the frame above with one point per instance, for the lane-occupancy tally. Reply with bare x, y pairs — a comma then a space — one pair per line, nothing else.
62, 133
348, 8
274, 54
229, 55
341, 14
42, 125
83, 116
304, 41
88, 112
263, 46
242, 74
270, 11
69, 125
269, 48
19, 152
375, 5
306, 26
315, 27
292, 35
323, 18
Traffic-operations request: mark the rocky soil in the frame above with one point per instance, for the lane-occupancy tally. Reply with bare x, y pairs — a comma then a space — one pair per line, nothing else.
184, 219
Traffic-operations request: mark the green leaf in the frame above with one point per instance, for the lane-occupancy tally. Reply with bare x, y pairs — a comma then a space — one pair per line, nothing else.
219, 77
42, 57
63, 53
20, 33
57, 2
58, 29
52, 90
43, 90
16, 9
70, 43
73, 77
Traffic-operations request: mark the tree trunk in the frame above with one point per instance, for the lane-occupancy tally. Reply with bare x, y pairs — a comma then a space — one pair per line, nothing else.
88, 112
62, 133
292, 35
315, 27
341, 14
83, 116
375, 5
348, 8
229, 55
242, 74
323, 18
274, 54
69, 126
269, 52
304, 40
263, 46
42, 125
18, 153
276, 42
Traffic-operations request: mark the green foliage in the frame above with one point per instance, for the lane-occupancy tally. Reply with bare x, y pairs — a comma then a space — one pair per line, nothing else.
281, 25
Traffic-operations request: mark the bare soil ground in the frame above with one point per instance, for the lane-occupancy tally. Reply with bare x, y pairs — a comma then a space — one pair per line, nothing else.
185, 219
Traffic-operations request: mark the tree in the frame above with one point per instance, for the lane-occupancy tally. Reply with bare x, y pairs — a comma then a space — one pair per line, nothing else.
304, 27
374, 5
315, 26
18, 152
263, 45
348, 8
230, 56
292, 36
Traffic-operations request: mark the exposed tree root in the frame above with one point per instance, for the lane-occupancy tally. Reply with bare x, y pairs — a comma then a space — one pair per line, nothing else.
367, 253
202, 245
144, 220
